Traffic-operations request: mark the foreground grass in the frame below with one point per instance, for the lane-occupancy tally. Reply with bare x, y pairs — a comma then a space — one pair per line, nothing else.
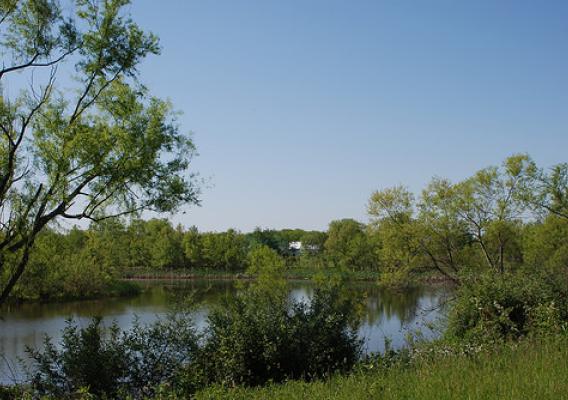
533, 370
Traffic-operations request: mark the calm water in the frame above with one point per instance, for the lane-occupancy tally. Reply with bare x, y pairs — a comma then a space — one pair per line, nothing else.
389, 314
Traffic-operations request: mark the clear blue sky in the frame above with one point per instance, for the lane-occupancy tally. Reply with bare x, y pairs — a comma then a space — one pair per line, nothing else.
301, 109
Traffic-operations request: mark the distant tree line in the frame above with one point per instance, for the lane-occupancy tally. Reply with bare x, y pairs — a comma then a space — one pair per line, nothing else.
85, 262
502, 219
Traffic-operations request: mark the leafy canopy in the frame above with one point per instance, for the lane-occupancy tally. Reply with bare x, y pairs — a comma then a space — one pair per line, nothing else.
102, 147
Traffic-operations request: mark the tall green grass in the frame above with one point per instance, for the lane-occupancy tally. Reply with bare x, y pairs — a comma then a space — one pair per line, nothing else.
529, 370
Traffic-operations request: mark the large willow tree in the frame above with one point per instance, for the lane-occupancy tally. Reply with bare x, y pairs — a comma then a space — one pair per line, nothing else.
81, 137
476, 224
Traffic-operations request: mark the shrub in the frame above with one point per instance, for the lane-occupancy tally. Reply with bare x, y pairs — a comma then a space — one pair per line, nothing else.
259, 337
87, 359
13, 392
109, 363
510, 306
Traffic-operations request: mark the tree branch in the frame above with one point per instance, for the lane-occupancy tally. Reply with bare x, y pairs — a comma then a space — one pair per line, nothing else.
32, 64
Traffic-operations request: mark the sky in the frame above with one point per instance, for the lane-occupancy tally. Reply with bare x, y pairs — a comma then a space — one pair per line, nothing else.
301, 109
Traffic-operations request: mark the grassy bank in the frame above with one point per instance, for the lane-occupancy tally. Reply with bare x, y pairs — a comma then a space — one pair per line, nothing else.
292, 273
114, 288
196, 273
181, 274
532, 370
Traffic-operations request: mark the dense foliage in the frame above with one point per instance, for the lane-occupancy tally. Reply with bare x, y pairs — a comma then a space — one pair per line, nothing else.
498, 221
112, 363
88, 263
257, 337
261, 337
512, 306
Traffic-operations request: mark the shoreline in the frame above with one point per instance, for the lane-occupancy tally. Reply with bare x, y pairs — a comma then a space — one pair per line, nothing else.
432, 281
425, 280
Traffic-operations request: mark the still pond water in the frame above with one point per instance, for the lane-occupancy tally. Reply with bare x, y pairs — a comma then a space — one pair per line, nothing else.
390, 315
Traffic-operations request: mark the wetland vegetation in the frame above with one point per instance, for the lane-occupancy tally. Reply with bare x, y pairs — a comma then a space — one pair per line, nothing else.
83, 140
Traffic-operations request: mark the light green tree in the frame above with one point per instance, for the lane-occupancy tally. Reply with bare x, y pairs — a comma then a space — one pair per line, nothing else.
545, 245
107, 246
348, 246
443, 236
545, 191
393, 228
193, 247
99, 146
164, 244
552, 192
225, 251
453, 227
268, 267
488, 204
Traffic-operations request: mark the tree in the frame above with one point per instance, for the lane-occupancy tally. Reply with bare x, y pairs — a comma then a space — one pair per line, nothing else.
269, 238
268, 266
79, 264
100, 148
444, 236
138, 251
164, 244
193, 247
313, 242
488, 205
393, 227
545, 246
552, 193
475, 222
348, 245
418, 235
546, 192
224, 251
107, 246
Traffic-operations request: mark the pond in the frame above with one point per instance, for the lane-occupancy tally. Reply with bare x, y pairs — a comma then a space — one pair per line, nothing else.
390, 315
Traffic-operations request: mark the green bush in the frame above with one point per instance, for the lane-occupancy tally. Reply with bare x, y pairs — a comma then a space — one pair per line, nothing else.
509, 306
13, 392
110, 363
261, 336
87, 359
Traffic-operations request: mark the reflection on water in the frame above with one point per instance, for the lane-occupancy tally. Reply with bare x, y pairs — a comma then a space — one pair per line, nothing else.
389, 314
